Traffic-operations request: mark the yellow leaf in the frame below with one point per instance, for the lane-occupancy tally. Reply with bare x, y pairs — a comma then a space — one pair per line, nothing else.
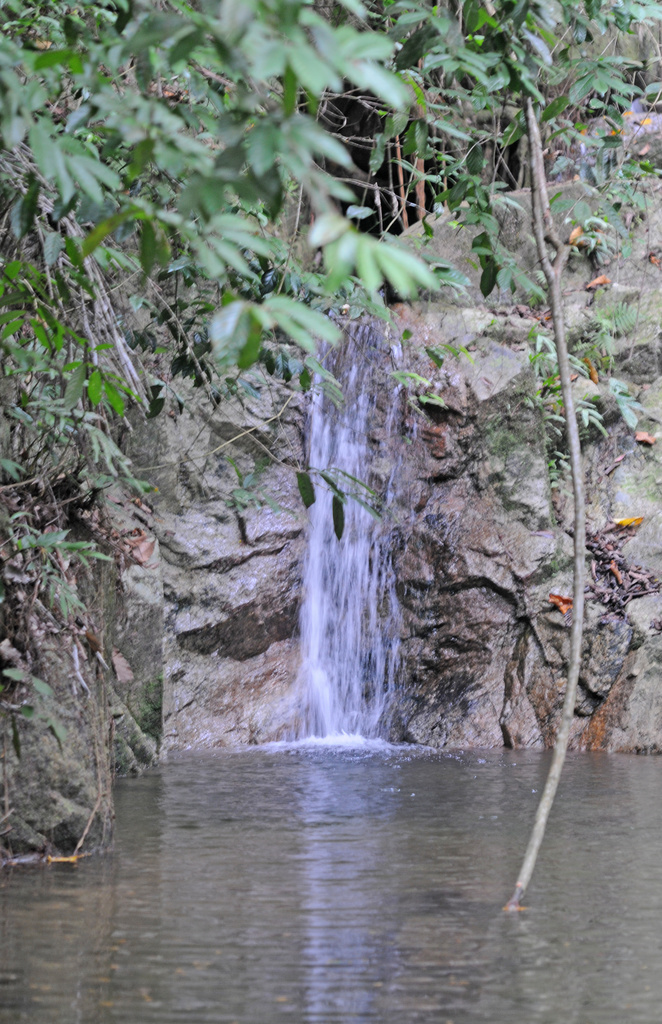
66, 860
635, 521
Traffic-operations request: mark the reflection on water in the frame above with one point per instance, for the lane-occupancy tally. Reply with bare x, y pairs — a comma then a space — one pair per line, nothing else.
313, 885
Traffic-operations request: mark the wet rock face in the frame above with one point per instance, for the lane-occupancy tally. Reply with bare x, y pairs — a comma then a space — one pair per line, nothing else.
477, 546
477, 550
483, 650
231, 570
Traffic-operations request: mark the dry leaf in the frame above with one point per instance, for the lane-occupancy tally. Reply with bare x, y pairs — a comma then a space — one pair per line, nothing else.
655, 260
592, 372
564, 604
644, 437
143, 551
635, 521
136, 537
93, 641
615, 463
597, 281
122, 667
575, 234
615, 570
644, 150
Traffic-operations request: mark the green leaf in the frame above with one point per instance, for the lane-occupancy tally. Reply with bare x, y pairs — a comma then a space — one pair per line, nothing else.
475, 159
74, 389
156, 401
505, 278
306, 489
53, 246
378, 153
74, 253
147, 247
338, 512
58, 730
430, 399
52, 58
290, 91
367, 506
404, 270
383, 83
12, 469
539, 45
41, 687
114, 398
105, 228
42, 145
228, 331
359, 212
23, 212
581, 88
555, 108
488, 277
326, 229
17, 675
308, 323
94, 387
250, 351
185, 46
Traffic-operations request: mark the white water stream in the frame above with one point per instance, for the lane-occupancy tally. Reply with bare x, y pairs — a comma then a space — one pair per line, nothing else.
350, 622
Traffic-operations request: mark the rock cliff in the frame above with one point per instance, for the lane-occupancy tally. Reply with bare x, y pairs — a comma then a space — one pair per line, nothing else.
199, 618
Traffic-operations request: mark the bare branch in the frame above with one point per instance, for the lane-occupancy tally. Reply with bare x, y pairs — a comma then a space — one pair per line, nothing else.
545, 231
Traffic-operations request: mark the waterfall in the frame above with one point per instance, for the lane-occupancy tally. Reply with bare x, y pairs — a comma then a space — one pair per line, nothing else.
350, 621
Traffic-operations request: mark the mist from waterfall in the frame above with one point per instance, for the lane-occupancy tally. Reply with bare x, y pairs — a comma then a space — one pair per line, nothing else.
350, 620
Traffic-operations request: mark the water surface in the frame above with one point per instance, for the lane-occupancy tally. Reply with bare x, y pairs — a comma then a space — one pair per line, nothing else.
313, 885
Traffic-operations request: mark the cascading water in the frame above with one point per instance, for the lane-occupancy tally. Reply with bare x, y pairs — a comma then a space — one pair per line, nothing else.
350, 621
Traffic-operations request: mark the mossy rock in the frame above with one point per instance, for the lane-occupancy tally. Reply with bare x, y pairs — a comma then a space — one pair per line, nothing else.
147, 708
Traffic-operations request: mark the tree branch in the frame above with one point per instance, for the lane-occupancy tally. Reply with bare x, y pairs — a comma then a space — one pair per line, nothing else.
545, 231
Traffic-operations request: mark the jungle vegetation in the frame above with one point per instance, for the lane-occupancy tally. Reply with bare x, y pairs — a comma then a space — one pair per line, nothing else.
225, 183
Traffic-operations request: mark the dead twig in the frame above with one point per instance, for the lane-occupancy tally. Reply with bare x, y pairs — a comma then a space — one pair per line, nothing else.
87, 828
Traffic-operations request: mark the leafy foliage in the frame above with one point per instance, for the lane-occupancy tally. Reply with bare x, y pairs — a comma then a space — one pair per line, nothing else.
470, 67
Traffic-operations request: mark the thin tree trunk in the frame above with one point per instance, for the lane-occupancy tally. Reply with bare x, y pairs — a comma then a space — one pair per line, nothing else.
545, 232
